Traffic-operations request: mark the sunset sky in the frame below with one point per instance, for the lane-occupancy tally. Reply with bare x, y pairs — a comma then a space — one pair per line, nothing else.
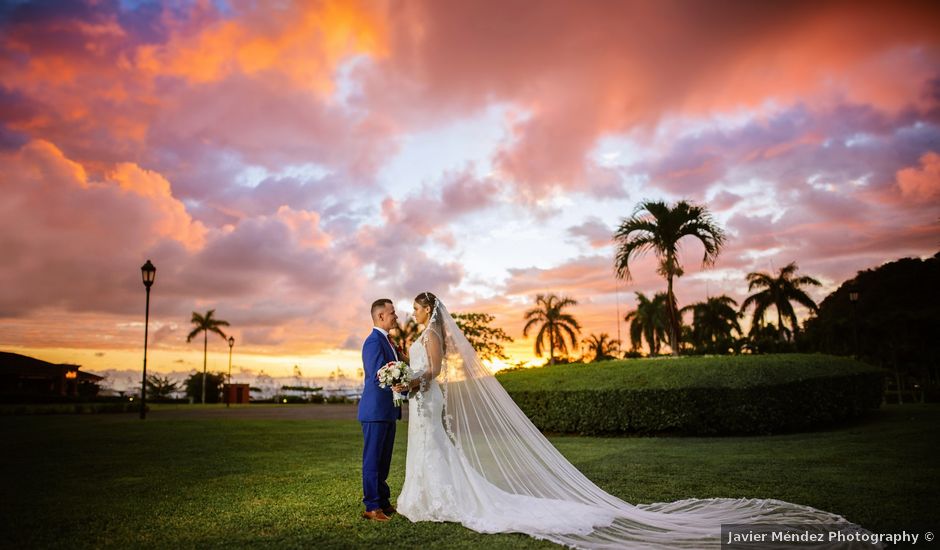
287, 163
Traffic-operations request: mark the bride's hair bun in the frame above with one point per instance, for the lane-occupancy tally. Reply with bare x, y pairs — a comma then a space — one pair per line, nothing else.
427, 299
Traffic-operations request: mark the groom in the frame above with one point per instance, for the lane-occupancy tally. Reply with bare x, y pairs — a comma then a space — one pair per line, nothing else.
378, 414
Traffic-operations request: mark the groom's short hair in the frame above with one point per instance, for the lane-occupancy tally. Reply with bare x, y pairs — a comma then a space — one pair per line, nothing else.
379, 305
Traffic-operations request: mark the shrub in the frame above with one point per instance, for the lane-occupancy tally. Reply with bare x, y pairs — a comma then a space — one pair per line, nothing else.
697, 395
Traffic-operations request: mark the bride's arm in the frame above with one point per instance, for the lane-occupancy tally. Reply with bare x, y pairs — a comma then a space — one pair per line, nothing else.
435, 350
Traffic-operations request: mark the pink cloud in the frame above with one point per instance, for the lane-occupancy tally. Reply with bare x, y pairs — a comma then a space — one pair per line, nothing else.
583, 276
595, 231
189, 90
724, 200
126, 134
260, 122
576, 75
393, 245
74, 243
921, 183
58, 222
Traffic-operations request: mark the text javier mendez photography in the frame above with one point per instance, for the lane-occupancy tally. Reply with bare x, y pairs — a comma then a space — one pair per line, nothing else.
818, 536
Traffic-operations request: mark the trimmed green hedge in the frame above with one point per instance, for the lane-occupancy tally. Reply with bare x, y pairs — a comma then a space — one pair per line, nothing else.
759, 394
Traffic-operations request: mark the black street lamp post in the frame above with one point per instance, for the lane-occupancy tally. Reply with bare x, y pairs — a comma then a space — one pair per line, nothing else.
228, 396
148, 272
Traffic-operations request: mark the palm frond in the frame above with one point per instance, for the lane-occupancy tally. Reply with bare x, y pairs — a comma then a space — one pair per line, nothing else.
539, 338
631, 249
572, 335
802, 298
528, 326
788, 270
566, 319
758, 298
759, 311
759, 280
806, 280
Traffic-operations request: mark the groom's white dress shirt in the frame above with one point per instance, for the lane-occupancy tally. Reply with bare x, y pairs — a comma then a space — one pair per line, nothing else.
385, 334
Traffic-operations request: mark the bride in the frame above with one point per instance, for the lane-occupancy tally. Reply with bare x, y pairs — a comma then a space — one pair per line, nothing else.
474, 458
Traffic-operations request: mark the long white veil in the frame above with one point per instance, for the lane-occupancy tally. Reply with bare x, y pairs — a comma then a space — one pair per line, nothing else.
503, 446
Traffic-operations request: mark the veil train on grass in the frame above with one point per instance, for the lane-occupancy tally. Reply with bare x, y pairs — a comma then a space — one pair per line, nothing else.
503, 446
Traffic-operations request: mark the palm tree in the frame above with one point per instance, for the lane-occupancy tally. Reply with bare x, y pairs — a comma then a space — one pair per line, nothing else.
557, 327
206, 324
650, 320
713, 322
405, 334
602, 346
778, 292
656, 226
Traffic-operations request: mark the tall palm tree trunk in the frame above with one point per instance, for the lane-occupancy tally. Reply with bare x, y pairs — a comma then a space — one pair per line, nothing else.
205, 353
781, 335
673, 322
551, 346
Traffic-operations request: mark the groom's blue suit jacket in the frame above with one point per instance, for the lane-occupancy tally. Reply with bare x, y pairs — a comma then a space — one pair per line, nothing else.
376, 404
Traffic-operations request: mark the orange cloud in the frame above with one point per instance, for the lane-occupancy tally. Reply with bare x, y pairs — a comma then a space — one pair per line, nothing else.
305, 226
134, 101
584, 71
921, 183
59, 221
173, 220
303, 42
41, 175
108, 85
43, 163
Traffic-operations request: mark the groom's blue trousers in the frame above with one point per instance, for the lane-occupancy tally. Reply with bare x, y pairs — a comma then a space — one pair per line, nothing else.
378, 440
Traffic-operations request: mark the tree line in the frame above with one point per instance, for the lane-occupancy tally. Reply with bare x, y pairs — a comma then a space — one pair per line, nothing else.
886, 316
657, 321
658, 228
163, 388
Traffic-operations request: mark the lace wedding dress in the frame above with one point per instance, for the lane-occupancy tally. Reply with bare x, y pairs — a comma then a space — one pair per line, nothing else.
441, 485
474, 458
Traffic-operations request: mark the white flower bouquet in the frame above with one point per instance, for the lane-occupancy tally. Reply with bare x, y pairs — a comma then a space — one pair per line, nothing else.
395, 373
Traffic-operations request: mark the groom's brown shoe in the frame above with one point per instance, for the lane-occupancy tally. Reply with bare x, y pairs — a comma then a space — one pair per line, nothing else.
390, 511
375, 515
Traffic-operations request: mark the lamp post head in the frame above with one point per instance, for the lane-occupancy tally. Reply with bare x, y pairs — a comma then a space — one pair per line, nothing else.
231, 341
148, 272
853, 296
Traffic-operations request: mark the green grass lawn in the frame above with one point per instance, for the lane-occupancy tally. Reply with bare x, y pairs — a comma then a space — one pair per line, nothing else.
93, 481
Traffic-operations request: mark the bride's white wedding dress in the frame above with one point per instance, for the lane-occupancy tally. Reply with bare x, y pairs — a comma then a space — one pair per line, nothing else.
440, 484
474, 458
